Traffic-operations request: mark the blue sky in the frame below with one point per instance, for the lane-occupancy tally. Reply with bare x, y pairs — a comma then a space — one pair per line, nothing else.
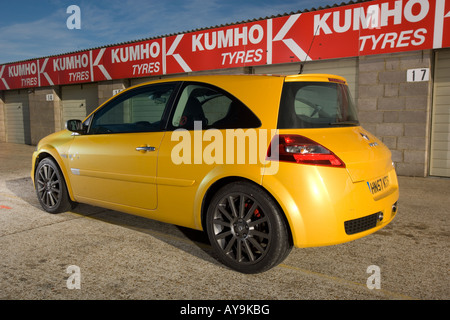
37, 28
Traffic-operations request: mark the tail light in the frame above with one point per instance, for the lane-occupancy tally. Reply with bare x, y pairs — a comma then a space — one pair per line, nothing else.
299, 149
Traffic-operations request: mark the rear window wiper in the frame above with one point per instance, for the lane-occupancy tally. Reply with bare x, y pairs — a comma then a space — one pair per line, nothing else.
345, 123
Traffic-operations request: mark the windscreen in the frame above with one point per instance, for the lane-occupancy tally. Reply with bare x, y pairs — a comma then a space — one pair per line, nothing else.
316, 105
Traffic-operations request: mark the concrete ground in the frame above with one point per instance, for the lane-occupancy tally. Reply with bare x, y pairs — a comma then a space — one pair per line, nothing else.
119, 256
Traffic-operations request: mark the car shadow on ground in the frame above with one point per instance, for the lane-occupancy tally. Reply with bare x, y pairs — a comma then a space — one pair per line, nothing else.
191, 241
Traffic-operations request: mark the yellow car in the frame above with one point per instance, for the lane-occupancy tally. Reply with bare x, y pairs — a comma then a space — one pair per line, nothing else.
260, 163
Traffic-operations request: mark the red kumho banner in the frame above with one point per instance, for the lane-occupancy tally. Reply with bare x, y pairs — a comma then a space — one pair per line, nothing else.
374, 27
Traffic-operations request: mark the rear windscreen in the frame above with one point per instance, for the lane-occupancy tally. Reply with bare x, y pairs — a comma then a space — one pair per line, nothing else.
316, 105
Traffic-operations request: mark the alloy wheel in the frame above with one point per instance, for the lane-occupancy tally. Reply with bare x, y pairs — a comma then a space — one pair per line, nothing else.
241, 228
49, 186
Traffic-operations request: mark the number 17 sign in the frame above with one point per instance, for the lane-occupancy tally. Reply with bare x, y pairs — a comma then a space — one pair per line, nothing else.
417, 75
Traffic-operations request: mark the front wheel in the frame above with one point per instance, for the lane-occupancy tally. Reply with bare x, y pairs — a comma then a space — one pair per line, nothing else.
247, 229
51, 188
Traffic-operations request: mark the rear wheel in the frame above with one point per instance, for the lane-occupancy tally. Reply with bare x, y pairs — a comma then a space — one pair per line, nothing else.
247, 229
51, 188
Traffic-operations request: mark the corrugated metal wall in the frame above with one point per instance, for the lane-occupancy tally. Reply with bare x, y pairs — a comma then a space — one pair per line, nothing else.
17, 116
440, 127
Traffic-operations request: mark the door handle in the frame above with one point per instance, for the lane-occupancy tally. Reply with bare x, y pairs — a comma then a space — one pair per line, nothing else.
145, 149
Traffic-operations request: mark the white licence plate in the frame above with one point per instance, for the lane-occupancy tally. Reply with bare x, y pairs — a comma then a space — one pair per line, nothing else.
378, 185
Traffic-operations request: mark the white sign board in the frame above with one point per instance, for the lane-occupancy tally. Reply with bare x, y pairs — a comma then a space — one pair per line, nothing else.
418, 75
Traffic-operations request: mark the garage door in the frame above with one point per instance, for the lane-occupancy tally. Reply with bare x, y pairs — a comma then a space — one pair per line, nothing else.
17, 117
440, 130
78, 101
346, 68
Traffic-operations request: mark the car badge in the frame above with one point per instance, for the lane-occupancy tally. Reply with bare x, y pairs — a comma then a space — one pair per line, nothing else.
364, 136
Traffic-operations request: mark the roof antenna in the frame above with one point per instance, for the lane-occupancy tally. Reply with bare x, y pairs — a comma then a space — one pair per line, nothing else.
307, 55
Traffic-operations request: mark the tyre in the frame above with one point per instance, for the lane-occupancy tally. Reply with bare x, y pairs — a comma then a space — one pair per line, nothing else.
247, 229
51, 188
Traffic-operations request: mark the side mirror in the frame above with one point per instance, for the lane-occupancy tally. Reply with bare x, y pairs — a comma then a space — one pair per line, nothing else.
75, 126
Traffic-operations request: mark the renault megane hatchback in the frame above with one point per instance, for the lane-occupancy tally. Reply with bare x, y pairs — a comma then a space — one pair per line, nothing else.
260, 163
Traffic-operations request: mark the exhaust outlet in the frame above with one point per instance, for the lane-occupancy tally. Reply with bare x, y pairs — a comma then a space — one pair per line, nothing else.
394, 208
380, 216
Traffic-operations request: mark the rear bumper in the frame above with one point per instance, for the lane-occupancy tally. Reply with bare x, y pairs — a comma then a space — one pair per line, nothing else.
324, 207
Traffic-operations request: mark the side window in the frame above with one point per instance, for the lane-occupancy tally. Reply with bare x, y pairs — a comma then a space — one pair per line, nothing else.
138, 111
213, 108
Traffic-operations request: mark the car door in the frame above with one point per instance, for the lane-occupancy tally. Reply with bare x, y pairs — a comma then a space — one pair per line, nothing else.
115, 163
186, 161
